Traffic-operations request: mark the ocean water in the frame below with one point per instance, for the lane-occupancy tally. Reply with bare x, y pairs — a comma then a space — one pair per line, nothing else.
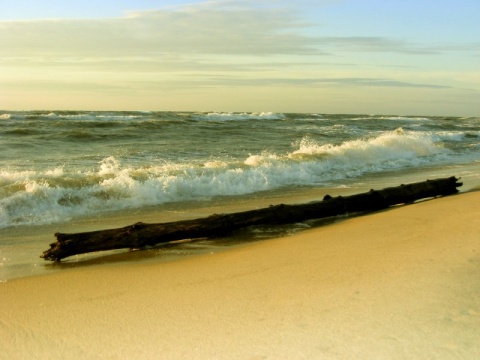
57, 168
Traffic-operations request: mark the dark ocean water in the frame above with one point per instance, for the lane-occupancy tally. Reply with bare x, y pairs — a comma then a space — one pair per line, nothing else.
57, 166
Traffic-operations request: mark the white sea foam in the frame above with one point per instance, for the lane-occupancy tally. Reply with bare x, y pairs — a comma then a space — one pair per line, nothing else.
394, 145
225, 116
60, 193
404, 118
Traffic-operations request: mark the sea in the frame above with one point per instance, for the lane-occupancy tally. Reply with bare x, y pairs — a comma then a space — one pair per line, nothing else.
73, 171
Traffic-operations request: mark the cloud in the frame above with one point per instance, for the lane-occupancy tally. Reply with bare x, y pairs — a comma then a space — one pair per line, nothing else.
371, 44
315, 82
380, 82
376, 44
189, 30
235, 28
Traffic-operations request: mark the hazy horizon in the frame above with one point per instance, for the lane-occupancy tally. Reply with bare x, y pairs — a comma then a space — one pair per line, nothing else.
333, 56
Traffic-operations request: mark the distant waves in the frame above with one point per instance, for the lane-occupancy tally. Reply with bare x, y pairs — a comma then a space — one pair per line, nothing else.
61, 165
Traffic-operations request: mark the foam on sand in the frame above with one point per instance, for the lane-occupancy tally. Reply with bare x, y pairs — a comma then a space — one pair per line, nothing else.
398, 284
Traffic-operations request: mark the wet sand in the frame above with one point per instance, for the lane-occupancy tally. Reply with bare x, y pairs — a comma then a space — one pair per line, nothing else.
398, 284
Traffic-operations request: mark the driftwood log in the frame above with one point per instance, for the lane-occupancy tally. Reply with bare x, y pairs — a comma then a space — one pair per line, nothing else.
141, 234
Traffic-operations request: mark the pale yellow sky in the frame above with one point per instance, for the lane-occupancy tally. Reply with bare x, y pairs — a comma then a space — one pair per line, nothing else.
325, 56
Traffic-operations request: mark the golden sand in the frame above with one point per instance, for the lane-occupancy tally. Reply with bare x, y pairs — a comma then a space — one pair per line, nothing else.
398, 284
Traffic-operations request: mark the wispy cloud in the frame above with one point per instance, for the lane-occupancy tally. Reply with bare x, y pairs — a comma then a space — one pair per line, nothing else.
191, 30
225, 27
380, 44
376, 44
380, 82
323, 82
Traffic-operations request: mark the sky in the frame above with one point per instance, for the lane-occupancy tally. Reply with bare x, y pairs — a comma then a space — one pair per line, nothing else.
405, 57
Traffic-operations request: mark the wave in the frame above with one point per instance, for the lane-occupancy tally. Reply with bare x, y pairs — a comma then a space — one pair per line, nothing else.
225, 116
22, 132
404, 118
29, 197
74, 115
99, 116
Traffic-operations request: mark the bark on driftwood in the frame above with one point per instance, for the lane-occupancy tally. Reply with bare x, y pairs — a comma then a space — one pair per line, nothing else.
141, 235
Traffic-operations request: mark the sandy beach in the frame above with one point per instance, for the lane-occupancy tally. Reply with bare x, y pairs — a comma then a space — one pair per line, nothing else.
398, 284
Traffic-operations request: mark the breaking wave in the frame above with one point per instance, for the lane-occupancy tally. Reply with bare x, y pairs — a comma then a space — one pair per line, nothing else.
60, 193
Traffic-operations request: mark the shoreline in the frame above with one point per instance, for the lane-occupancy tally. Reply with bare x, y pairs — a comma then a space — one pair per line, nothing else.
397, 284
21, 246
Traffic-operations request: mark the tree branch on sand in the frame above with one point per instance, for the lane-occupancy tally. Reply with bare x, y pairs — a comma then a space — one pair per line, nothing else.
140, 235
